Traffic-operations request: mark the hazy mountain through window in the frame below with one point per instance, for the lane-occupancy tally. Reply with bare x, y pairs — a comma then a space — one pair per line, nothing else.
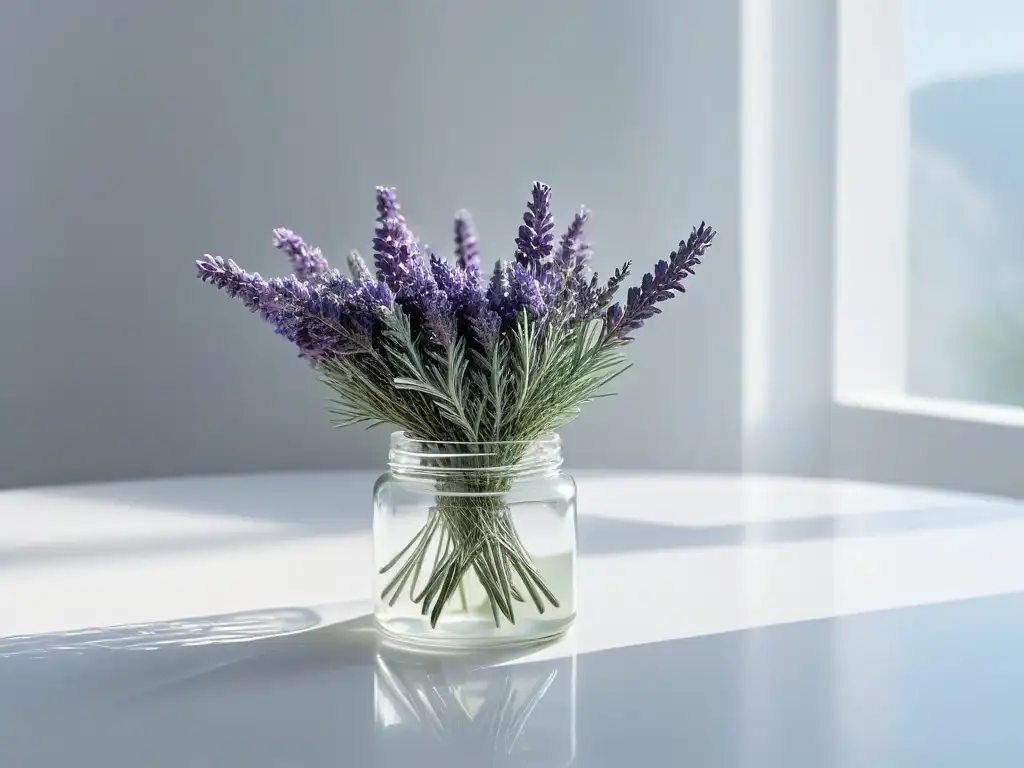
966, 176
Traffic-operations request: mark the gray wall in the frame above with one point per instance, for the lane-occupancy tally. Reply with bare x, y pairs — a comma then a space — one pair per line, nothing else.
138, 135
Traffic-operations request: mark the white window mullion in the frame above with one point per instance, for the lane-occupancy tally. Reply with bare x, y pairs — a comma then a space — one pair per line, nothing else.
872, 152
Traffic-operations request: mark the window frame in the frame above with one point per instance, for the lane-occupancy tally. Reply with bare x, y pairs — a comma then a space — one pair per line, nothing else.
877, 434
825, 120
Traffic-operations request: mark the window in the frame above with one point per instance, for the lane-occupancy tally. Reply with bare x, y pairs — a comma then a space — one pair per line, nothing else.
965, 176
929, 240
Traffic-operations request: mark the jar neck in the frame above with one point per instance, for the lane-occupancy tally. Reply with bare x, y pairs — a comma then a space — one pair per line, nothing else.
477, 462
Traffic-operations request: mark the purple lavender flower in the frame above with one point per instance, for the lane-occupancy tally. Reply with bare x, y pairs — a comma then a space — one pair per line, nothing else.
513, 289
567, 286
580, 301
500, 289
564, 282
659, 286
250, 288
466, 252
572, 254
322, 319
396, 254
290, 302
534, 243
338, 283
312, 318
326, 314
376, 295
461, 288
604, 297
324, 322
337, 324
404, 272
448, 280
276, 301
319, 327
306, 261
526, 293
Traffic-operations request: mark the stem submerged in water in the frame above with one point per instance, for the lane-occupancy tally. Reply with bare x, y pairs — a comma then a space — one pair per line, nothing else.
468, 533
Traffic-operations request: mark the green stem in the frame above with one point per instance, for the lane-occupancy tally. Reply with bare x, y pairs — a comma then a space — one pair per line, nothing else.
470, 529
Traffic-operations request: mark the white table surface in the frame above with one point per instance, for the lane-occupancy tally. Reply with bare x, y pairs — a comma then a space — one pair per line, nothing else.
723, 621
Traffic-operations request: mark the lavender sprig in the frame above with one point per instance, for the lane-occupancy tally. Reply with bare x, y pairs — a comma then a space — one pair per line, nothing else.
462, 288
326, 323
514, 289
564, 283
525, 295
275, 301
660, 286
605, 295
401, 268
572, 254
395, 250
445, 303
449, 357
534, 241
307, 262
466, 252
500, 289
357, 266
322, 320
249, 287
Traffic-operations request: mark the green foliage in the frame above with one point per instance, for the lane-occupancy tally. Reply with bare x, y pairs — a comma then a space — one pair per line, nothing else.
530, 381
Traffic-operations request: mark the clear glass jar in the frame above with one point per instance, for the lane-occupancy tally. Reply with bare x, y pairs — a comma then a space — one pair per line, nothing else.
474, 543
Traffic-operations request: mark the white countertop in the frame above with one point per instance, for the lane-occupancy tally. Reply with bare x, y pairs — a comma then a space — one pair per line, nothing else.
724, 621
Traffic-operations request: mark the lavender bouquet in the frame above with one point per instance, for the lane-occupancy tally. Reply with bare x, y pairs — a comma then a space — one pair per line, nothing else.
452, 355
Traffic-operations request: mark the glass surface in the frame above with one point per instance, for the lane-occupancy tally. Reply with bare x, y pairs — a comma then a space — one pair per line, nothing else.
454, 710
966, 176
474, 543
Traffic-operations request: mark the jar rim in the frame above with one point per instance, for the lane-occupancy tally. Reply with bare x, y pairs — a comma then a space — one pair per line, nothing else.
440, 459
401, 439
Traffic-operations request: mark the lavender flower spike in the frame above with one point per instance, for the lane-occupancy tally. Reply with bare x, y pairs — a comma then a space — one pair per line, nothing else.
514, 289
466, 252
307, 262
500, 289
659, 286
277, 301
526, 293
357, 266
534, 243
251, 289
396, 254
324, 322
387, 205
461, 287
572, 254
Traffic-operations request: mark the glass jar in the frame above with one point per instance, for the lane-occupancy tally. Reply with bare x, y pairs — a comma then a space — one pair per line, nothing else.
474, 543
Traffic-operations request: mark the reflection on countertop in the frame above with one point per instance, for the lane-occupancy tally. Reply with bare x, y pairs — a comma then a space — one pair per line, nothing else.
916, 686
